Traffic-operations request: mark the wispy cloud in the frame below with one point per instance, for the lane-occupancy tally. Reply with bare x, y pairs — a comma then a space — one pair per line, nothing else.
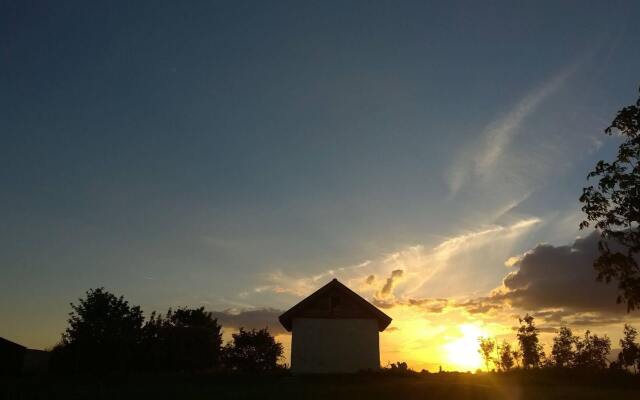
439, 258
401, 274
279, 282
496, 137
500, 132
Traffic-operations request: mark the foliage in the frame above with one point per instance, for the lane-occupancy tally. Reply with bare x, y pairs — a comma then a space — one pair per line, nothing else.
505, 358
530, 347
589, 352
613, 208
592, 351
185, 339
562, 353
630, 354
568, 352
103, 334
517, 356
253, 351
107, 334
486, 347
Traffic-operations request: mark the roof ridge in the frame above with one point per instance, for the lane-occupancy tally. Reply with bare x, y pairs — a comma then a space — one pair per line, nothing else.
286, 319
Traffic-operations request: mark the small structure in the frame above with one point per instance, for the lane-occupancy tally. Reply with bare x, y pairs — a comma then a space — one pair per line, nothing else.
35, 361
334, 330
11, 356
16, 359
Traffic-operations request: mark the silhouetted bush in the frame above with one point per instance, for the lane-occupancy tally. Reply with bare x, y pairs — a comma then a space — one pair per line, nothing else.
592, 351
399, 368
106, 334
103, 335
253, 351
182, 340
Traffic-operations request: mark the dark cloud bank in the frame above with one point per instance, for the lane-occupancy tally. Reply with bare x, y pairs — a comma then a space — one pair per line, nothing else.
387, 289
556, 283
562, 277
251, 319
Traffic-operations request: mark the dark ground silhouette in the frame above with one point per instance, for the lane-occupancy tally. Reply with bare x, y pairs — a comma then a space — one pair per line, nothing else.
535, 384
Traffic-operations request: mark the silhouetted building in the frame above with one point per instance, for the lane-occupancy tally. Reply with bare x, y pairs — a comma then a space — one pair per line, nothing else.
11, 357
334, 330
16, 359
35, 361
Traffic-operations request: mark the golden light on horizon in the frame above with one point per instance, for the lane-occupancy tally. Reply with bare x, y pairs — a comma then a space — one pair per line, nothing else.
463, 352
447, 340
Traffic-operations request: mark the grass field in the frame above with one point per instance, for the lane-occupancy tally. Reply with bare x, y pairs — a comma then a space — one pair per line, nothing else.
356, 387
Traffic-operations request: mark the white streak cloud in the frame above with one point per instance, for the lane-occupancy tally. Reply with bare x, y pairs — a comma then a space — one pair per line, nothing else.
407, 271
498, 134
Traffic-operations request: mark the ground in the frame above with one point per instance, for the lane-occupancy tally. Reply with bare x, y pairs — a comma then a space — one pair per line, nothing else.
369, 387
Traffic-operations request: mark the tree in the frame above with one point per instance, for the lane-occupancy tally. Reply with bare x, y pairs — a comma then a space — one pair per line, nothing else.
103, 333
529, 344
613, 208
629, 356
505, 360
486, 347
592, 351
253, 351
185, 339
517, 355
562, 352
196, 338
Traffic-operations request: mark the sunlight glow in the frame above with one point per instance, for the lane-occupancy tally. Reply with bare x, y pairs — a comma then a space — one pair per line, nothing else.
463, 352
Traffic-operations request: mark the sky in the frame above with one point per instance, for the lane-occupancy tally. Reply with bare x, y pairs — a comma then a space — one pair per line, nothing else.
238, 155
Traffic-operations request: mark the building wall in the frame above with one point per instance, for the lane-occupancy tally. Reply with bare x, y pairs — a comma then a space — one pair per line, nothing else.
324, 345
11, 355
35, 361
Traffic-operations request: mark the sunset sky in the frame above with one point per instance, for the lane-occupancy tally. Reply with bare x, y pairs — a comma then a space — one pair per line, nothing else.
238, 155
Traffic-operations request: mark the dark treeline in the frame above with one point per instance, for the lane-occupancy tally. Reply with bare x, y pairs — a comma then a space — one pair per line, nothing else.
107, 334
589, 352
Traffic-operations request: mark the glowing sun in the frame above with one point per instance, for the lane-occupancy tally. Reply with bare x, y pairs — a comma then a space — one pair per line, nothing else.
463, 352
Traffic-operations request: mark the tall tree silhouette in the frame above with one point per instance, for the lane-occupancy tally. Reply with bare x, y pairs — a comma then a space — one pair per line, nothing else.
613, 208
485, 348
103, 333
629, 356
563, 352
530, 346
505, 359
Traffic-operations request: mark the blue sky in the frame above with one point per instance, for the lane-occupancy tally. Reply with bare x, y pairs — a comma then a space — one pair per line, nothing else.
239, 154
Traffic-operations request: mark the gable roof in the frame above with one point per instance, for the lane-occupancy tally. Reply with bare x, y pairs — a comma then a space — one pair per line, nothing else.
4, 343
360, 308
